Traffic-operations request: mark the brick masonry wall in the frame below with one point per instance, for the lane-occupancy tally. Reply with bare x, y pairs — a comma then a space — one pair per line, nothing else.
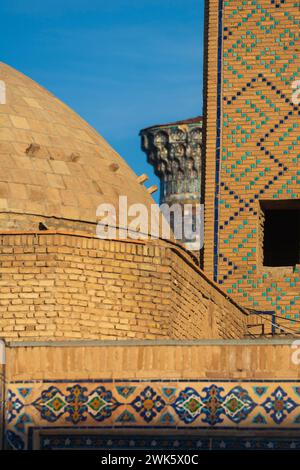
198, 309
63, 286
252, 147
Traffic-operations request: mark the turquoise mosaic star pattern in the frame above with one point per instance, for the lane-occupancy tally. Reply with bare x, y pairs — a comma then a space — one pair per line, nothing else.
257, 149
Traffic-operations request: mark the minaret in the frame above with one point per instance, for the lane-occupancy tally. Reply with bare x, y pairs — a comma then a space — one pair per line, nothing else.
175, 151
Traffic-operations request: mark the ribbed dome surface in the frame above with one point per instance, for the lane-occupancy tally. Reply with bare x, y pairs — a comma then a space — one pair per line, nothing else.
52, 163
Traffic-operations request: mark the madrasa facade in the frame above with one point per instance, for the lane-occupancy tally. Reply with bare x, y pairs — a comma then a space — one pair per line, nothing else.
123, 342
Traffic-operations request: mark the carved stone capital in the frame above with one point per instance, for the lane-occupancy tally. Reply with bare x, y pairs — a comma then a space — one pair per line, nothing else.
175, 152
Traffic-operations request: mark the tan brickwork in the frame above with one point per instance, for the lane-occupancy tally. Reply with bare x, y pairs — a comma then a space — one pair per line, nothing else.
58, 284
53, 164
199, 307
63, 286
209, 128
256, 60
252, 360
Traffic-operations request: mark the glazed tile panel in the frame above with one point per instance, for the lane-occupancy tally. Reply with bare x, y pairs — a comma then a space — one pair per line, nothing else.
150, 405
170, 442
256, 148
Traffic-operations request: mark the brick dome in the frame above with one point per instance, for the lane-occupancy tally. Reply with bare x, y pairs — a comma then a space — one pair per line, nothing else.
54, 166
65, 283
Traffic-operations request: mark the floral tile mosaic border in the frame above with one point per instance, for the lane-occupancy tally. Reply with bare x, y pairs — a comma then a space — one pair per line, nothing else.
150, 404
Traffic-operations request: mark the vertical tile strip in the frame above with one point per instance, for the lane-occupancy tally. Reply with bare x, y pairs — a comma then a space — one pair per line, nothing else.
218, 140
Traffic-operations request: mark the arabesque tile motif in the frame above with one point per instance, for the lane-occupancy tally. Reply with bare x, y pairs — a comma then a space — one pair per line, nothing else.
198, 405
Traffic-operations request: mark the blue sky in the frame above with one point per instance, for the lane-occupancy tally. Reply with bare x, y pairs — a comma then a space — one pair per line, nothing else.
121, 64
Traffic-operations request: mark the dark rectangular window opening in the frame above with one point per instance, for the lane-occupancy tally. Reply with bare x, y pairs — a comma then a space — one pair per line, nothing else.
281, 232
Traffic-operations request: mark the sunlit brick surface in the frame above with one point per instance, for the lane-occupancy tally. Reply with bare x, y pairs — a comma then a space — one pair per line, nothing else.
53, 164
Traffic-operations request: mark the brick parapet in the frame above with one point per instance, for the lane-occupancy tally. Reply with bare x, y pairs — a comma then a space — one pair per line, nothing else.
69, 286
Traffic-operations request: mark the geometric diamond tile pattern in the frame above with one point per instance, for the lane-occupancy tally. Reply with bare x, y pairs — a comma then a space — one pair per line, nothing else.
257, 150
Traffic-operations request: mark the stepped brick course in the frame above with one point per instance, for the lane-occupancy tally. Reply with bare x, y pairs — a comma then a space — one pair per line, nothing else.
67, 286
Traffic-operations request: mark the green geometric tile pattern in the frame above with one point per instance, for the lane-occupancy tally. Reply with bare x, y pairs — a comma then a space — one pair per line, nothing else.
260, 147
